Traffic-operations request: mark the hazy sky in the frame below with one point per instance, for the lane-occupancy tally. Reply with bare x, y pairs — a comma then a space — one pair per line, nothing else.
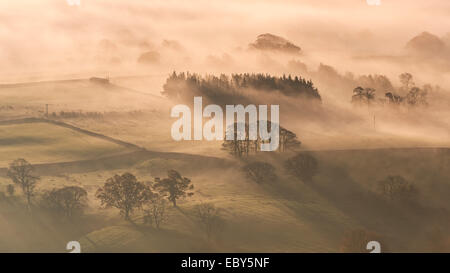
46, 35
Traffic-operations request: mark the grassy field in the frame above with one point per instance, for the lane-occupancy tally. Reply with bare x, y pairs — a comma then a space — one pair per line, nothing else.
47, 143
286, 215
72, 95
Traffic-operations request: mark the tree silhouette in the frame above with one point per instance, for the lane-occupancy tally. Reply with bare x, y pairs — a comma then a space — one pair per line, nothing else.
239, 147
394, 98
302, 165
125, 193
363, 95
155, 211
68, 201
174, 186
395, 187
288, 140
21, 173
260, 172
358, 95
407, 81
416, 96
209, 218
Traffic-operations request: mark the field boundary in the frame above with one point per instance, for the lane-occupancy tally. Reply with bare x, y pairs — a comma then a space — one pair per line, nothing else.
72, 127
125, 160
135, 155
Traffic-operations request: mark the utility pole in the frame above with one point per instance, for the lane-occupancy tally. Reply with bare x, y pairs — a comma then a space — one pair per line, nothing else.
374, 122
46, 110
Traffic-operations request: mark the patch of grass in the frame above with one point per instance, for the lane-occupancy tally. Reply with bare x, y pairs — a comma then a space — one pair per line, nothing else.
47, 143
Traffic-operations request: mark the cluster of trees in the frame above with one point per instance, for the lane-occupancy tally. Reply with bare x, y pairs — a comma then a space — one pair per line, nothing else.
66, 202
413, 95
127, 194
123, 192
303, 166
241, 146
363, 96
230, 90
377, 82
397, 188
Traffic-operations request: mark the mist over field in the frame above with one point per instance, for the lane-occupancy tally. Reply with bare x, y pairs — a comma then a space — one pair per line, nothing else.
364, 92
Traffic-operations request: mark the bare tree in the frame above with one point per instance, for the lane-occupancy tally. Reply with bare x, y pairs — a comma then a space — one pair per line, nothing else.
155, 211
125, 193
260, 172
21, 173
303, 166
174, 186
209, 218
68, 201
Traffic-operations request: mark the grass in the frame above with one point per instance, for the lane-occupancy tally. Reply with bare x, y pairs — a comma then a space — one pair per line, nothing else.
47, 143
284, 216
73, 95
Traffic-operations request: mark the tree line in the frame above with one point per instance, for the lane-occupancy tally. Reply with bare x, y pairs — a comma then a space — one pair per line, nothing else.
412, 94
240, 146
225, 89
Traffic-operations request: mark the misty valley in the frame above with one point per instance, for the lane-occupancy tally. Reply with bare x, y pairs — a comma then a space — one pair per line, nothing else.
225, 127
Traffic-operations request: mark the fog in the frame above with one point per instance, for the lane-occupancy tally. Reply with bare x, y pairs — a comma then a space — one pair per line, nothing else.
55, 40
52, 40
132, 48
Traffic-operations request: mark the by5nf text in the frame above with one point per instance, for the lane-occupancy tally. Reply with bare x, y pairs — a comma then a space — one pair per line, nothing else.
246, 262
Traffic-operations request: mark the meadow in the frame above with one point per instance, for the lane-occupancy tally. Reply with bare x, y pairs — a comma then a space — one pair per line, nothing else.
283, 215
